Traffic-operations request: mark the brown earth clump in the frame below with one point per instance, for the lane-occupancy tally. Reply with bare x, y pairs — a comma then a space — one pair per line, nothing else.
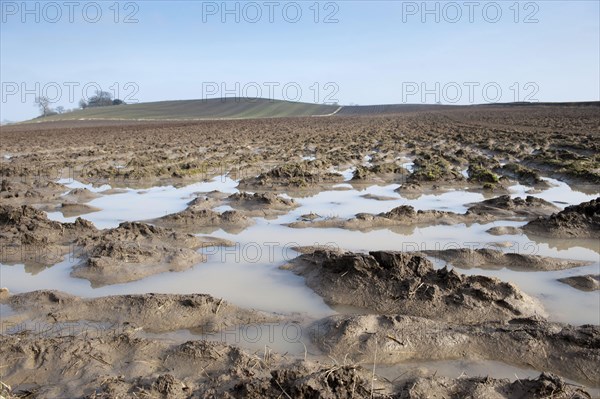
136, 250
577, 221
407, 283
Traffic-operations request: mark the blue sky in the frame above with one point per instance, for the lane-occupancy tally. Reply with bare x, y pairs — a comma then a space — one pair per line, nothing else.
370, 52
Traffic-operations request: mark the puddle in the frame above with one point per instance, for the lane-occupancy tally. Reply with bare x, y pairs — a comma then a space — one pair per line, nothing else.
563, 303
410, 166
348, 174
132, 205
73, 184
249, 275
223, 208
246, 275
347, 203
560, 194
6, 310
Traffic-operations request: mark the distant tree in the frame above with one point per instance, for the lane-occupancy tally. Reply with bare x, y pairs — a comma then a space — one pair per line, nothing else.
60, 109
116, 101
43, 103
100, 99
83, 104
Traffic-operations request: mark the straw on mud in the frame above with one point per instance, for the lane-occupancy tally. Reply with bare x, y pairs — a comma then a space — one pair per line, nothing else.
583, 372
283, 390
395, 379
331, 371
267, 354
5, 386
305, 350
98, 359
219, 306
518, 379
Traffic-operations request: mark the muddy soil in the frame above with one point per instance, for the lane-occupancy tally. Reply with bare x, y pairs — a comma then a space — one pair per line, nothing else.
28, 236
589, 282
454, 148
553, 140
570, 351
302, 175
404, 215
199, 218
466, 258
119, 364
150, 312
112, 363
499, 208
267, 205
504, 230
545, 386
507, 207
577, 221
69, 209
80, 195
406, 283
136, 250
24, 191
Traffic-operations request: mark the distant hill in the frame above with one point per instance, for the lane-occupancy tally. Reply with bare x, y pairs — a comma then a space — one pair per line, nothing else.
230, 108
251, 108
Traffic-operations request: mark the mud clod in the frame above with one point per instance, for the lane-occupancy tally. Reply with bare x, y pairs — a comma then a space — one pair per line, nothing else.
294, 175
406, 283
136, 250
505, 206
28, 236
466, 258
570, 351
577, 221
589, 282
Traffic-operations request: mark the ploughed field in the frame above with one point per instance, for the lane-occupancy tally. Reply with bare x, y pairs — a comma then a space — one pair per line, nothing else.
389, 253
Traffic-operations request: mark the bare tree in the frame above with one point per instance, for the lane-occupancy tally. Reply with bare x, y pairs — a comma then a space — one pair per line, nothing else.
83, 104
60, 109
43, 103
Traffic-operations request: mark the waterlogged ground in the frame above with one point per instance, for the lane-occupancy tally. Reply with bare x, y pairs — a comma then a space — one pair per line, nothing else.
329, 186
248, 273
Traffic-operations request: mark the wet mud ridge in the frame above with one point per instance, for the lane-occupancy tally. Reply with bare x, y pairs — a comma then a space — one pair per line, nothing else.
466, 258
136, 250
295, 176
267, 205
499, 208
406, 283
570, 351
578, 221
121, 364
589, 282
27, 235
196, 218
150, 312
